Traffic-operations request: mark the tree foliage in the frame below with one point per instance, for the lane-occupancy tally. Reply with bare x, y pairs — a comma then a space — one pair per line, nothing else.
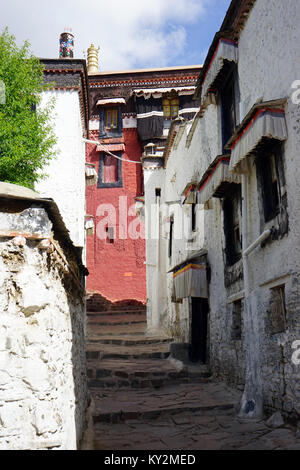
26, 137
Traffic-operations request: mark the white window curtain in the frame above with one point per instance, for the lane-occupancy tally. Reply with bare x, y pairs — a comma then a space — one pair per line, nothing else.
190, 280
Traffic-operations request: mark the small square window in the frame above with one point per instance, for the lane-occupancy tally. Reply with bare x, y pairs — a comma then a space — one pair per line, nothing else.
171, 107
111, 121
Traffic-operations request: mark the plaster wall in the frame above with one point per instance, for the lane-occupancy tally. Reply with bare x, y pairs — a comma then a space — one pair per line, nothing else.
267, 68
43, 388
66, 173
117, 270
269, 74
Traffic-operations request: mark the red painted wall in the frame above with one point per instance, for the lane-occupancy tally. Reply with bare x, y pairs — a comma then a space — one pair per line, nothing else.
117, 271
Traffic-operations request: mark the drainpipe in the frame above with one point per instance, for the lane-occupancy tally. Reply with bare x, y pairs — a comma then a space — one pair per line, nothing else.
252, 399
257, 242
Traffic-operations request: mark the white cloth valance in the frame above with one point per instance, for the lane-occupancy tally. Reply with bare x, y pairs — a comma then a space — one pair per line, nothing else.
225, 50
190, 280
158, 92
111, 101
217, 181
267, 122
91, 176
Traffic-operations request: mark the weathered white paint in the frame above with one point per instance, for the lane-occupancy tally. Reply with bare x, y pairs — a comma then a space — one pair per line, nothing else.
43, 385
66, 173
268, 66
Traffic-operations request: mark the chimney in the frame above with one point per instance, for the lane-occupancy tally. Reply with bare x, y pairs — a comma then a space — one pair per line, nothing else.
92, 59
66, 44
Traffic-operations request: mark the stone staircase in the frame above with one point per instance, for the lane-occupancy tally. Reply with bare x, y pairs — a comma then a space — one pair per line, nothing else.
131, 376
145, 400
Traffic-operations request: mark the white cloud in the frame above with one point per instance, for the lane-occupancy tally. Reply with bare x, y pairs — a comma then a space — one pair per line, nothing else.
130, 33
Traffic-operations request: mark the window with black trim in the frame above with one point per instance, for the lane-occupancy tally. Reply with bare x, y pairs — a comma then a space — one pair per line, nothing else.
270, 174
230, 99
110, 122
111, 119
171, 107
232, 224
110, 171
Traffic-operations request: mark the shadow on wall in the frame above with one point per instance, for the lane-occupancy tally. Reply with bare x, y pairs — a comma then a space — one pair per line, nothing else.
76, 304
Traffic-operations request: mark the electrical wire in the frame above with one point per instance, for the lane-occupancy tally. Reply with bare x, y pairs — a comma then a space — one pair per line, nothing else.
95, 142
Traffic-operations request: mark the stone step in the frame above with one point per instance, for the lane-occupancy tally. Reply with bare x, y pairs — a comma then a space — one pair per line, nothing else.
141, 373
115, 312
94, 307
136, 340
93, 331
117, 320
113, 351
126, 405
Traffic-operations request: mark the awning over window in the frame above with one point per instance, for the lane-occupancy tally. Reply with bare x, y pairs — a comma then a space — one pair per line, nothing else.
189, 194
112, 101
91, 176
262, 122
111, 148
226, 50
216, 180
190, 280
158, 92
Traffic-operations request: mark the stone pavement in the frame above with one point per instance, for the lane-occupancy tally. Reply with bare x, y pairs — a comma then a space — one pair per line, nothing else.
143, 400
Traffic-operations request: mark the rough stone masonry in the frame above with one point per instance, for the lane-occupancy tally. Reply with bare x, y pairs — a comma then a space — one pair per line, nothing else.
43, 394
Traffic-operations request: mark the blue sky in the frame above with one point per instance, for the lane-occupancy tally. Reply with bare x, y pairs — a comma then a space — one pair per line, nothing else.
130, 33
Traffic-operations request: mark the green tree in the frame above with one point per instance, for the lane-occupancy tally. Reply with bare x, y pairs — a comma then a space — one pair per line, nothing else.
26, 137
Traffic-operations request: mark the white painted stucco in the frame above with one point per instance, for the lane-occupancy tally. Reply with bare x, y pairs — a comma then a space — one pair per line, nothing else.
66, 173
267, 67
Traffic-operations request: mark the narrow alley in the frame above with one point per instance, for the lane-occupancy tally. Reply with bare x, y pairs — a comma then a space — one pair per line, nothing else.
145, 400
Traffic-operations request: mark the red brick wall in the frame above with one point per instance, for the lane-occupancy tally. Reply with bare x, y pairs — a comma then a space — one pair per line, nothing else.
117, 271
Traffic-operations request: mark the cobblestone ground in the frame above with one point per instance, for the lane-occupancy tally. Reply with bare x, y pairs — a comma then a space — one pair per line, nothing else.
143, 400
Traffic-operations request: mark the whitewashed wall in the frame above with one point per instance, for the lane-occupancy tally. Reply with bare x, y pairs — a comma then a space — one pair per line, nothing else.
66, 181
268, 65
43, 385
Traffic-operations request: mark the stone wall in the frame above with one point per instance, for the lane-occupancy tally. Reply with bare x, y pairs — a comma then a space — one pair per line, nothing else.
266, 69
43, 391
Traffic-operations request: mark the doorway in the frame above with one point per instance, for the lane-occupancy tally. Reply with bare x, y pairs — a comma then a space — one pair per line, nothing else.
198, 343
